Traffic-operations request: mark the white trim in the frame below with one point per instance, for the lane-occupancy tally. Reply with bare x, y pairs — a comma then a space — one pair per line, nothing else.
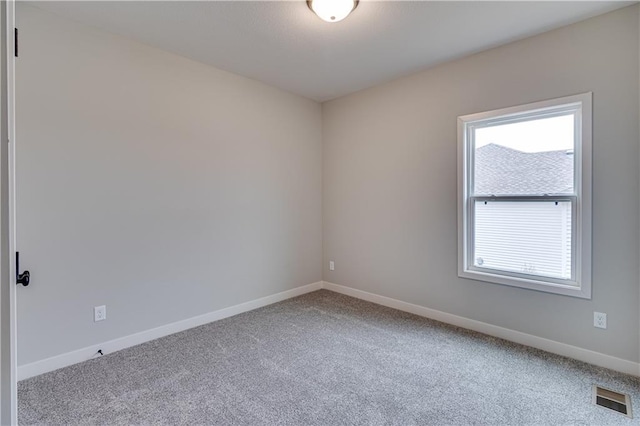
50, 364
639, 259
580, 284
63, 360
580, 354
10, 410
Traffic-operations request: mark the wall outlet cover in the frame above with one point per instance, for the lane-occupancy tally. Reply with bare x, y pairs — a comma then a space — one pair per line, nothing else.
99, 313
599, 320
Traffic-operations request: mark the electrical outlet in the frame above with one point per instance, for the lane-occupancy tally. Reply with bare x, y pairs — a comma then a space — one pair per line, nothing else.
332, 266
599, 320
99, 313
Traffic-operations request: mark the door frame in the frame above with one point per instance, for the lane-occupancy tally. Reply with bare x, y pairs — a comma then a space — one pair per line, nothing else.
8, 307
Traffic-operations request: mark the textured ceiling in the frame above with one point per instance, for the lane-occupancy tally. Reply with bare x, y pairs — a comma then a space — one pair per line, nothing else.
284, 44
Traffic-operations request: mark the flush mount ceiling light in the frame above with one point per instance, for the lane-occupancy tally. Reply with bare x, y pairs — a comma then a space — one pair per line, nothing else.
332, 10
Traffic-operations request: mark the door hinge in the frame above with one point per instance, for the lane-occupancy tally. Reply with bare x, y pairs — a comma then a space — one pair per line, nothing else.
15, 41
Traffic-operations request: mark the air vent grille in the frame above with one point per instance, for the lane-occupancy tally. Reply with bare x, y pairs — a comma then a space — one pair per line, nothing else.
612, 400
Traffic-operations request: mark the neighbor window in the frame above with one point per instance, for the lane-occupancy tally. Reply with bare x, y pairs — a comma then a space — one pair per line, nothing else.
525, 196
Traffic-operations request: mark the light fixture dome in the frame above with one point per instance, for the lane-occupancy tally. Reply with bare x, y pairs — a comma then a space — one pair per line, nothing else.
332, 10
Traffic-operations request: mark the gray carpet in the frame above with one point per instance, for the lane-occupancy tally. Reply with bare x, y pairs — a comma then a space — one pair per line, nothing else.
324, 359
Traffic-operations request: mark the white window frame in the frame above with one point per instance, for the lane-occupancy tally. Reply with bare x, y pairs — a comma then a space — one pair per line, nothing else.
580, 283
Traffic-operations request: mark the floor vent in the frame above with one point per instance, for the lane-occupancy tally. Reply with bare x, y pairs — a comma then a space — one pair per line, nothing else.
615, 401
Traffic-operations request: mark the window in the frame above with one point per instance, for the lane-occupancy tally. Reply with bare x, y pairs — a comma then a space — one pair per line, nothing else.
525, 196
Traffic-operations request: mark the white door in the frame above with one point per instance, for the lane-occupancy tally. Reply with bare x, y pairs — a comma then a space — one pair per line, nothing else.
8, 361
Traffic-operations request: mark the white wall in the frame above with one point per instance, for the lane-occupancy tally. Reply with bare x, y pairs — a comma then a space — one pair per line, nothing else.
158, 186
389, 182
165, 189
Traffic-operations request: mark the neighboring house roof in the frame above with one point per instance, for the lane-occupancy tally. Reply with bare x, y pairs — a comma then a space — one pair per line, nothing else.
504, 171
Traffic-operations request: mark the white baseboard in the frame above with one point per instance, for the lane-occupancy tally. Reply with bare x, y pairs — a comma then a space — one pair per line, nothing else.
50, 364
585, 355
89, 352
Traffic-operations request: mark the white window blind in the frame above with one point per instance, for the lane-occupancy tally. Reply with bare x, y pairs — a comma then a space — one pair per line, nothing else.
526, 237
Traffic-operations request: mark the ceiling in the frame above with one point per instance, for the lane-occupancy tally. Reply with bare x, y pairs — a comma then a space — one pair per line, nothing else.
282, 43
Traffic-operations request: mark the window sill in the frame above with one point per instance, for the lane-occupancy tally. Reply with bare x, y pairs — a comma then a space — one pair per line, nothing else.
530, 284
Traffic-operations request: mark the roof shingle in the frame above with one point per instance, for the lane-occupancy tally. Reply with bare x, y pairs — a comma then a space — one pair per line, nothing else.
504, 171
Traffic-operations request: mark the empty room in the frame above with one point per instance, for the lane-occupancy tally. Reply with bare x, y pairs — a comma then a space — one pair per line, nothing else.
323, 212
